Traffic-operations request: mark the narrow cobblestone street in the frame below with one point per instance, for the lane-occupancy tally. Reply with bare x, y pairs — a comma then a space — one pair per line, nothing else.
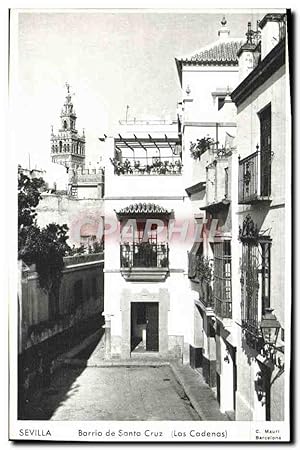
88, 387
113, 393
125, 393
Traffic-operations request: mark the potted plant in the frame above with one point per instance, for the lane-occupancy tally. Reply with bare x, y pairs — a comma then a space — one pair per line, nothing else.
197, 149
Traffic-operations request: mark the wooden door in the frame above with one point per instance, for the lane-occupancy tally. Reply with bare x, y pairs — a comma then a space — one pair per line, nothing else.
152, 331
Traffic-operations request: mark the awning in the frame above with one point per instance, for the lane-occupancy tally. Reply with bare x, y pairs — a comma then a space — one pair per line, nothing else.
143, 209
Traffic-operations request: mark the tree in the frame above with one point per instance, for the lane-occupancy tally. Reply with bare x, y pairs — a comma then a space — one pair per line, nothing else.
29, 195
44, 247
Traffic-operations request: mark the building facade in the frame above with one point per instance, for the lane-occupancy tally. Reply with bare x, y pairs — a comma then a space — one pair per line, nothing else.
237, 266
262, 193
146, 308
208, 125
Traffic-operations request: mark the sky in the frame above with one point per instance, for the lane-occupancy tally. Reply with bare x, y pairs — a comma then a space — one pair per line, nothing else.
111, 59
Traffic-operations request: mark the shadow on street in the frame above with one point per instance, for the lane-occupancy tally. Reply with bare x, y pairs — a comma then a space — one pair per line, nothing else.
43, 401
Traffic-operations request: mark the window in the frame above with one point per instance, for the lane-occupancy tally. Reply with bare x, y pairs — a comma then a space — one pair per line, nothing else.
141, 247
222, 278
255, 274
265, 151
60, 146
152, 233
65, 124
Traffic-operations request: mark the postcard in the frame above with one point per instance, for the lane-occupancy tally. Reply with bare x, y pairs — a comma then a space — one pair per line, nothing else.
151, 297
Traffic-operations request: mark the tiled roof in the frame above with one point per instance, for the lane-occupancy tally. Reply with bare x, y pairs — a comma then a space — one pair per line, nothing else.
219, 53
143, 208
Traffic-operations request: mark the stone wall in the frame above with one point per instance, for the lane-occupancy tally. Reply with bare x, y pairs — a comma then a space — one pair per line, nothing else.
35, 323
63, 209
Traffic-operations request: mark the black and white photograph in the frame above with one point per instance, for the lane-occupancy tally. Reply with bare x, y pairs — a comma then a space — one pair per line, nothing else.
151, 295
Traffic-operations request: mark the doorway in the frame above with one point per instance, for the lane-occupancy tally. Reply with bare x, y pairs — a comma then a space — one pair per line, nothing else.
144, 327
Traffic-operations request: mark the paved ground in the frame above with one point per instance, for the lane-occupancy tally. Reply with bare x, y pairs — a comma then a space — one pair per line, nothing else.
114, 393
89, 387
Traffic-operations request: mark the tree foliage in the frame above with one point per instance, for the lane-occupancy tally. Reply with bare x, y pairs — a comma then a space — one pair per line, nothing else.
29, 195
46, 246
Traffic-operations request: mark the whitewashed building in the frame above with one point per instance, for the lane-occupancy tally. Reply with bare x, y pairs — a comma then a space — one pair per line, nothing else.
147, 310
196, 283
208, 125
261, 222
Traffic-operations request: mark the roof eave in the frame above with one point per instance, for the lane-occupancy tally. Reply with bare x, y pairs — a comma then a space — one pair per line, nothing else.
179, 69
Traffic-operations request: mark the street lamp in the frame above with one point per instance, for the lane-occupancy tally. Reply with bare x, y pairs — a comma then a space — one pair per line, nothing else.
269, 327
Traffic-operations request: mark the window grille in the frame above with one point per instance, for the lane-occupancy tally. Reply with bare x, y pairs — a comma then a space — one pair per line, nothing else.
255, 282
226, 183
222, 278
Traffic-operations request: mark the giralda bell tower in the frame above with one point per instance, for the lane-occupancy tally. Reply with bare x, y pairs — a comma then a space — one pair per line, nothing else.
67, 147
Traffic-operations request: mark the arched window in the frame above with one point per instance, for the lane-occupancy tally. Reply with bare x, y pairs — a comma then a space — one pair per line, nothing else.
65, 148
68, 147
60, 146
65, 124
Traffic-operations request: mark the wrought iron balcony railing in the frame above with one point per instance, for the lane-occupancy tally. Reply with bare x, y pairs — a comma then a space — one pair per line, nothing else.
223, 309
144, 255
147, 166
200, 273
206, 293
254, 178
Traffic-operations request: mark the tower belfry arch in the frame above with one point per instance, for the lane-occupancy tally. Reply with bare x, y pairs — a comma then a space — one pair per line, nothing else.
67, 146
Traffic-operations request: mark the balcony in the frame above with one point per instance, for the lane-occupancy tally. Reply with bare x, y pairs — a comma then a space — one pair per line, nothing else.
144, 261
201, 275
147, 166
254, 179
218, 183
223, 309
88, 175
205, 293
147, 154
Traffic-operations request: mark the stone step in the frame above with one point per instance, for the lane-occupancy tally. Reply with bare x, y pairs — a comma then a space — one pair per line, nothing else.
198, 392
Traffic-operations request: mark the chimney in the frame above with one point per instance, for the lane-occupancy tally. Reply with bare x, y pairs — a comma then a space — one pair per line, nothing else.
246, 55
228, 111
271, 32
223, 32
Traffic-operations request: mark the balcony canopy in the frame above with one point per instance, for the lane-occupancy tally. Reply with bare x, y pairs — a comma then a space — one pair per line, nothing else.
148, 143
143, 209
